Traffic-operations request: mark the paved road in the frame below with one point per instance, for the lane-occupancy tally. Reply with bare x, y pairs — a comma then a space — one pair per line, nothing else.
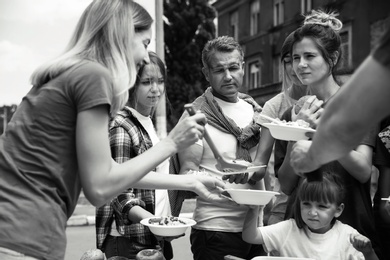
82, 238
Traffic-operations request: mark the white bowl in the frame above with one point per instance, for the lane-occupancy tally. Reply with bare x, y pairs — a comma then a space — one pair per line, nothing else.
288, 132
280, 258
168, 230
251, 197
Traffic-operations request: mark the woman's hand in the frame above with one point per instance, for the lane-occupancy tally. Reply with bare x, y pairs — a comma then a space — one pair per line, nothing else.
169, 239
310, 111
188, 131
210, 188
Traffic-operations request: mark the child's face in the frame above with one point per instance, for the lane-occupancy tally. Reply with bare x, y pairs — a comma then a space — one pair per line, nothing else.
318, 216
151, 86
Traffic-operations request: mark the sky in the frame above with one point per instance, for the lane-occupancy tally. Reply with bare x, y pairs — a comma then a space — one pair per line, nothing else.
31, 33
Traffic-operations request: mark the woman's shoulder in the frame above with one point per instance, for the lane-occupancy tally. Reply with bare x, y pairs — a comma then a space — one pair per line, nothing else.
91, 68
276, 105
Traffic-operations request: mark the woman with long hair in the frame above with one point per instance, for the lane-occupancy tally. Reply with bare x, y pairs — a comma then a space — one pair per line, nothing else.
57, 141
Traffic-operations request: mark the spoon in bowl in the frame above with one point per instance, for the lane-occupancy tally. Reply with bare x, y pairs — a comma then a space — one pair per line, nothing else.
223, 164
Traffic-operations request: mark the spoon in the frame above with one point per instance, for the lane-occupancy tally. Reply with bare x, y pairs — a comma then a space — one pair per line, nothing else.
273, 120
223, 164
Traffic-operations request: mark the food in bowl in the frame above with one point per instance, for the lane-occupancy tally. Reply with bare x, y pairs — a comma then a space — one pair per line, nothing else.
149, 254
168, 226
167, 221
298, 123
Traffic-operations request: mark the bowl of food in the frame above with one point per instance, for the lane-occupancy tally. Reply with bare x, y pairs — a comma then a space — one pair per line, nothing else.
251, 197
149, 254
289, 131
168, 226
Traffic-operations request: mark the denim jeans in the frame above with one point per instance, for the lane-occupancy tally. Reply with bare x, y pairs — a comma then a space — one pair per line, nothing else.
121, 246
214, 245
8, 254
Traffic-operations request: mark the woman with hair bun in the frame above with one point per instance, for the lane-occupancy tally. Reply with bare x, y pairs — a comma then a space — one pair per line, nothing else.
316, 52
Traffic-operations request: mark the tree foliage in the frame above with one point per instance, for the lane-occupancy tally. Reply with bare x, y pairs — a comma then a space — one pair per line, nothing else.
188, 25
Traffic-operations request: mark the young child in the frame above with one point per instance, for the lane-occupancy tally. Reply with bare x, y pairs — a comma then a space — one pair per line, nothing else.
315, 233
132, 132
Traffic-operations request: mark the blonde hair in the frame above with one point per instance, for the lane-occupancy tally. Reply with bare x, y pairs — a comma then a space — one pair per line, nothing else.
102, 35
291, 90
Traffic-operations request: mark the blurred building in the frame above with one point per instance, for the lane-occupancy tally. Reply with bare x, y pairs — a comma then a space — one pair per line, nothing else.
262, 25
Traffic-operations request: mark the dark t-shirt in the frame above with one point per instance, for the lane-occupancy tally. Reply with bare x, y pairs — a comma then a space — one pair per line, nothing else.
39, 181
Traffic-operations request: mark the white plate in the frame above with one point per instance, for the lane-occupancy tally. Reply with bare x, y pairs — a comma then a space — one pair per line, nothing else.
288, 132
166, 230
251, 197
253, 168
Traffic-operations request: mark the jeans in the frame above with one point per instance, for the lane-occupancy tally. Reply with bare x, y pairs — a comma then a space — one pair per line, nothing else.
121, 246
8, 254
214, 245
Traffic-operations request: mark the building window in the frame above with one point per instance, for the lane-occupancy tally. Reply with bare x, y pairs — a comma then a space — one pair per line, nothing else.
277, 69
278, 12
306, 6
234, 25
346, 47
254, 74
255, 17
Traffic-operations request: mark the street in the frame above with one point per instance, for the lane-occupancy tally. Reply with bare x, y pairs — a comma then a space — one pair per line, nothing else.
82, 238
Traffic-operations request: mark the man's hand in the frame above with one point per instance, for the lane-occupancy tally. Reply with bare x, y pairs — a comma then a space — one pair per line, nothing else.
300, 159
240, 178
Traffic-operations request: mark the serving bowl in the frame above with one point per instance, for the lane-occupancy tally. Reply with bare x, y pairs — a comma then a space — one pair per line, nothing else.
168, 226
288, 132
251, 197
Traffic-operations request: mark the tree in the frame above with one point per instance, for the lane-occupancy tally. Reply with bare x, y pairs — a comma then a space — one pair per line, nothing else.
189, 24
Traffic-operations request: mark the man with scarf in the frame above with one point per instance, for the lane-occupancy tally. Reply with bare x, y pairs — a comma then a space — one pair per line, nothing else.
231, 118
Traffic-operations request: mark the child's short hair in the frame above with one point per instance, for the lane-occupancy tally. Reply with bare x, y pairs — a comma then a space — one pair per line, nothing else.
328, 190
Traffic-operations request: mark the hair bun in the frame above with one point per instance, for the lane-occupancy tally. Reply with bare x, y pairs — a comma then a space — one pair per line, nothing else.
324, 19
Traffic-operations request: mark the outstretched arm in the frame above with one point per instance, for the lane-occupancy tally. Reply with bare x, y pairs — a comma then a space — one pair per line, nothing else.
251, 232
101, 177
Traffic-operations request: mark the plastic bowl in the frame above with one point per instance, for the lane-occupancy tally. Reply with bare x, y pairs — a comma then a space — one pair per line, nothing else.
168, 230
287, 132
251, 197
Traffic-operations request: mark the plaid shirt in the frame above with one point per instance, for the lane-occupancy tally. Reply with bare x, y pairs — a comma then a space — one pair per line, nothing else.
128, 138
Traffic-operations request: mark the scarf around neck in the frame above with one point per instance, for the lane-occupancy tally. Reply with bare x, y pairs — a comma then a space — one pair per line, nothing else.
247, 137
